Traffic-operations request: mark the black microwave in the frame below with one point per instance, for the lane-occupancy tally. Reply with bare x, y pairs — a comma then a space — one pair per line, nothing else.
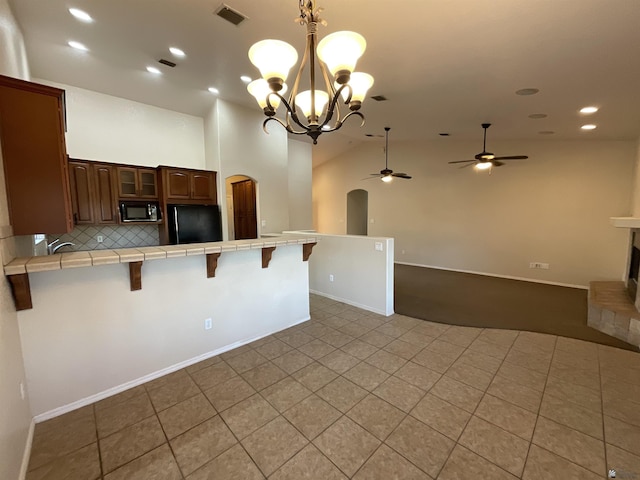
140, 212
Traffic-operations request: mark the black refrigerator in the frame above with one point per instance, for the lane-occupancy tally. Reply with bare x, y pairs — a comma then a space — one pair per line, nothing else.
194, 223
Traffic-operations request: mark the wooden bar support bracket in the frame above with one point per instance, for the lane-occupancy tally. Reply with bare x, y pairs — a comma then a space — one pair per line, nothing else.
135, 275
306, 251
21, 290
266, 256
212, 264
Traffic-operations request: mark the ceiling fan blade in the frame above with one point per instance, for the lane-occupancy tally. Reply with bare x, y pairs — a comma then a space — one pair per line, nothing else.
462, 161
372, 176
512, 157
468, 165
497, 163
401, 175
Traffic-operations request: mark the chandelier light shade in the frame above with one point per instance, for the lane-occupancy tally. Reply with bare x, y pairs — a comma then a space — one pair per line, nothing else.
260, 90
274, 59
340, 51
315, 110
305, 103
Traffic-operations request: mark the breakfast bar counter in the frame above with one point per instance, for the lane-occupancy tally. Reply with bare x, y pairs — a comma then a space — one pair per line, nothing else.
17, 270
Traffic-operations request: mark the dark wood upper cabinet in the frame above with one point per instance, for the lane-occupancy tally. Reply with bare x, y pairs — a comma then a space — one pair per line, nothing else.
35, 158
93, 192
81, 183
183, 185
137, 182
178, 184
203, 186
105, 199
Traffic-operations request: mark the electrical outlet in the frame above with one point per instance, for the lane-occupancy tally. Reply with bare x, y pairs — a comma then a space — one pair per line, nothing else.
539, 265
207, 324
403, 252
373, 220
331, 278
263, 223
379, 246
23, 394
100, 238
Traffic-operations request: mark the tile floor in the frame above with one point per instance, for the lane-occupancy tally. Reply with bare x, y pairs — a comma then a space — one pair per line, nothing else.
350, 394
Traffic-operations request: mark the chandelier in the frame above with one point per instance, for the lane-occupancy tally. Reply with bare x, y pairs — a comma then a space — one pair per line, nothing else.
337, 56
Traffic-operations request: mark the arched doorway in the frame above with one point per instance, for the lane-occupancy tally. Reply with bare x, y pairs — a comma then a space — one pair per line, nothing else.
242, 211
357, 212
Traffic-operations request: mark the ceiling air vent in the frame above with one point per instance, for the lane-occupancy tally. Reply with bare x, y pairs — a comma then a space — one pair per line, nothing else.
230, 15
168, 63
379, 98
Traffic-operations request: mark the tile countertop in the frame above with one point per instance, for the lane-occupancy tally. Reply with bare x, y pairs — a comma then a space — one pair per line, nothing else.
59, 261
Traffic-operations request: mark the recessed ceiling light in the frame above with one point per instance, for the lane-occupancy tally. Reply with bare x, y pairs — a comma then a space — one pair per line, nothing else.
81, 15
213, 90
588, 127
537, 116
153, 70
77, 46
546, 132
588, 110
245, 79
177, 52
527, 91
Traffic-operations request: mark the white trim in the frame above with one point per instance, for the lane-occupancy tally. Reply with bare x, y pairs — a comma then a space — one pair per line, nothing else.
26, 455
508, 277
83, 402
353, 304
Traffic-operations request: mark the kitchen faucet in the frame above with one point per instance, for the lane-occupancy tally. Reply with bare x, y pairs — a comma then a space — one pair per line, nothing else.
53, 248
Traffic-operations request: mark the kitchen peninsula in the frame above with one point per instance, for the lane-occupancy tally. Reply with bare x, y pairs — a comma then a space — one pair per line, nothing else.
89, 336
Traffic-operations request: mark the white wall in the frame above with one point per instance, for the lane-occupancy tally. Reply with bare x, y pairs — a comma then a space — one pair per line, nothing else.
88, 333
112, 129
15, 414
300, 172
244, 149
553, 207
362, 275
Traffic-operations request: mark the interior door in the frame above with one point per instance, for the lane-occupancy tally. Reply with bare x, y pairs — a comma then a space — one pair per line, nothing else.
245, 220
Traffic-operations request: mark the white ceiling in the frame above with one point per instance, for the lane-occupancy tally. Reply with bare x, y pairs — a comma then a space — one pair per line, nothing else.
445, 66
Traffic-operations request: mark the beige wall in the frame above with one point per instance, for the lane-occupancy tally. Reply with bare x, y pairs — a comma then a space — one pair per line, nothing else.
15, 414
635, 203
552, 208
112, 129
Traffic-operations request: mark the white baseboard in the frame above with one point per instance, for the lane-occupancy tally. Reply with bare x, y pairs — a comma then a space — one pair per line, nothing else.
26, 455
350, 302
56, 412
508, 277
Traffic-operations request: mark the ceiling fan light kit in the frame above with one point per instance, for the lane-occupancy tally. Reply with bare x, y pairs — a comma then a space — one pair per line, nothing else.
486, 160
337, 55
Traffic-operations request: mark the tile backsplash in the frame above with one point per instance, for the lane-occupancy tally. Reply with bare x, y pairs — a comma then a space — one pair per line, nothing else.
85, 237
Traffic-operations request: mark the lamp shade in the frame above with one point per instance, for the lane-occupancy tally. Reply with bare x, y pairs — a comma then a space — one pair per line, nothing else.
303, 100
387, 178
360, 84
260, 90
274, 59
341, 51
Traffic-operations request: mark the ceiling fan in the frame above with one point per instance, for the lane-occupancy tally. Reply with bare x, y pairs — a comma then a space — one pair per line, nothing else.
386, 175
484, 159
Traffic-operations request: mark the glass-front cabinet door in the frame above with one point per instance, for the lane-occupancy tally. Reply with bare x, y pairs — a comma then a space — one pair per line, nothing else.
127, 185
147, 181
137, 183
